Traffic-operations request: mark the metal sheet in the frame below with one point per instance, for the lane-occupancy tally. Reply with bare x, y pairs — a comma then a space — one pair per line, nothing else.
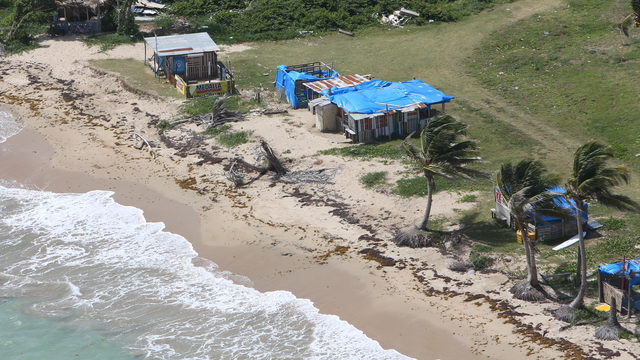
182, 44
340, 82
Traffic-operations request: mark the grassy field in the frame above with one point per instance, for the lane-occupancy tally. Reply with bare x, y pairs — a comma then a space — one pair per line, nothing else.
533, 79
138, 76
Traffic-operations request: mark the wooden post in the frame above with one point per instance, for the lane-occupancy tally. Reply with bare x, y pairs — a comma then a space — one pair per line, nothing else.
443, 108
600, 295
629, 300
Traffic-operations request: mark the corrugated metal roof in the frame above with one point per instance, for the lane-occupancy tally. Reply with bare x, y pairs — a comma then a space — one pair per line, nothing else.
340, 82
182, 44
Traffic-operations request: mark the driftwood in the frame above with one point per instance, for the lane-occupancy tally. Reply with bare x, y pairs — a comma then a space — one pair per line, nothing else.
345, 32
264, 153
266, 160
143, 143
273, 112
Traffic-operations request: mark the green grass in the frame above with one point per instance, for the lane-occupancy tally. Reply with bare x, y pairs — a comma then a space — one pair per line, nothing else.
613, 223
228, 138
372, 179
138, 76
232, 139
417, 186
108, 42
387, 150
468, 198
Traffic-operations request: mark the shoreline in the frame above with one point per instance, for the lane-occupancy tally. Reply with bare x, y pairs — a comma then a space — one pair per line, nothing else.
334, 289
282, 237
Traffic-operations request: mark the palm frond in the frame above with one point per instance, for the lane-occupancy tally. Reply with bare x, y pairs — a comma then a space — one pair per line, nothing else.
620, 202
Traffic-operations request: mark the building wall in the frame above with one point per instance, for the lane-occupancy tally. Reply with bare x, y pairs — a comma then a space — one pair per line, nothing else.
395, 123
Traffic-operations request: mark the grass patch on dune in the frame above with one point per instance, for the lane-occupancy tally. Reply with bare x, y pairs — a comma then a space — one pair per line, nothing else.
372, 179
387, 150
108, 42
138, 76
227, 137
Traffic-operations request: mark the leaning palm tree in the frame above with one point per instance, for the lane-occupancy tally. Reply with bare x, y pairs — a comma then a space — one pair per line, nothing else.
632, 19
441, 153
591, 179
524, 186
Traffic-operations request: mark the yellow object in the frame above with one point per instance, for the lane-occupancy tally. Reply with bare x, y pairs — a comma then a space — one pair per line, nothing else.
603, 307
532, 236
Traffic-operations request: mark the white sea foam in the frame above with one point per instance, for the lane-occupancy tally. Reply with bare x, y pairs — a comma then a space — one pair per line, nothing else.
85, 257
9, 125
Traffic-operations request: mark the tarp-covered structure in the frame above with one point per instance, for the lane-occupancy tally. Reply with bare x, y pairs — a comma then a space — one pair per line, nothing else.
617, 280
291, 80
545, 227
562, 203
378, 96
631, 267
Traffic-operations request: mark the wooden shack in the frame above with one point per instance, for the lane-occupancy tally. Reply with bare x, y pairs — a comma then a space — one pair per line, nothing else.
375, 109
617, 280
190, 63
79, 16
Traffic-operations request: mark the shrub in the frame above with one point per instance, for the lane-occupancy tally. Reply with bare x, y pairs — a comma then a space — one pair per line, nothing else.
373, 178
478, 260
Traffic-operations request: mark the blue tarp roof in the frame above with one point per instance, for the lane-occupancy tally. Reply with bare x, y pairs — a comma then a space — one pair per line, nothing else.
563, 203
378, 96
286, 79
616, 269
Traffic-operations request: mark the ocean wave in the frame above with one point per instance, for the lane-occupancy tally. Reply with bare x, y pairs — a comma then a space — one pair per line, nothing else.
9, 125
88, 259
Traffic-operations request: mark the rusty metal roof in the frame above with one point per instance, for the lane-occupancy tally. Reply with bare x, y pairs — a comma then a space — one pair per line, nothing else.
340, 82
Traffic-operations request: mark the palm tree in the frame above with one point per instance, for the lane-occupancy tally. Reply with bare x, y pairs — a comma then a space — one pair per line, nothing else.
591, 179
442, 154
631, 19
523, 186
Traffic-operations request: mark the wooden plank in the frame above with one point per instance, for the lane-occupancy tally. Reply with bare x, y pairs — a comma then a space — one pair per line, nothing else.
569, 242
609, 291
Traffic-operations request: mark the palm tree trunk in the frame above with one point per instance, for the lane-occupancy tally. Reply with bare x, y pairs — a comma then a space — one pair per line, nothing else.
431, 185
577, 302
532, 270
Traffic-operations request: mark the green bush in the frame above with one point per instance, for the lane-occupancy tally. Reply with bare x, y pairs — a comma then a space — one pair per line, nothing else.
373, 178
478, 260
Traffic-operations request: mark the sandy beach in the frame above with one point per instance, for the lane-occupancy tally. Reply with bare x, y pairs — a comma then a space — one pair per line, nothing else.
314, 240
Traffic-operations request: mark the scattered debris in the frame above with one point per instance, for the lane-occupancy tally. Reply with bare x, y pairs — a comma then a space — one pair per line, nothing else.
143, 143
399, 17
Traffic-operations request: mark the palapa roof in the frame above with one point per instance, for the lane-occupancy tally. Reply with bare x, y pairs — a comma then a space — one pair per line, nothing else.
182, 44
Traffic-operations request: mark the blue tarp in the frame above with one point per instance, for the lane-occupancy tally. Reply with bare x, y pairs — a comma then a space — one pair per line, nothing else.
287, 79
563, 203
378, 96
616, 269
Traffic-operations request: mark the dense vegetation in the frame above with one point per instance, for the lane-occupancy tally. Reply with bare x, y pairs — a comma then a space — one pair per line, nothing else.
236, 20
21, 20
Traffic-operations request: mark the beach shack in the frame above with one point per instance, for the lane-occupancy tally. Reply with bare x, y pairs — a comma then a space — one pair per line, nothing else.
541, 227
617, 280
326, 112
190, 63
290, 80
376, 109
80, 16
